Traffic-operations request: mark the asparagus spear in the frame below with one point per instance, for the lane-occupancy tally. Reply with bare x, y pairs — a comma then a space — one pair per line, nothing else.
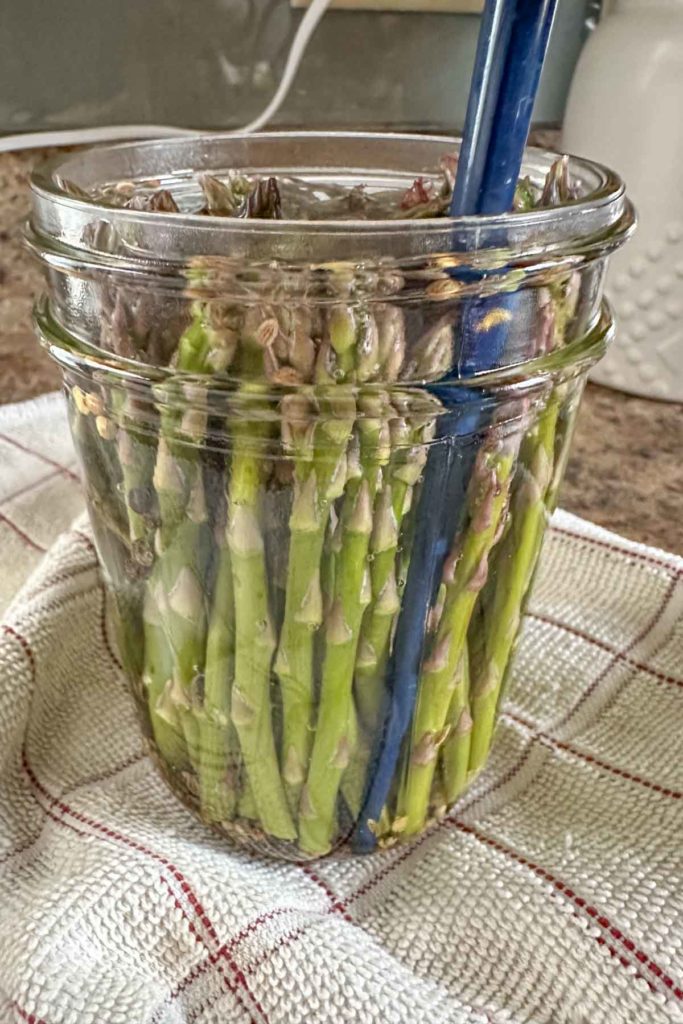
98, 442
254, 642
388, 574
528, 512
174, 607
136, 458
408, 456
218, 749
218, 744
246, 807
540, 469
161, 693
360, 750
465, 573
332, 746
94, 433
254, 635
236, 715
456, 748
320, 471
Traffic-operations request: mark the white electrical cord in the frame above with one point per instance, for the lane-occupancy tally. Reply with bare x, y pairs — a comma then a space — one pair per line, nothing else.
113, 133
308, 25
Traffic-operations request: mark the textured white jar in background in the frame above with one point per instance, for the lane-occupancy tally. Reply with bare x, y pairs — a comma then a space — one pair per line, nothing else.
626, 109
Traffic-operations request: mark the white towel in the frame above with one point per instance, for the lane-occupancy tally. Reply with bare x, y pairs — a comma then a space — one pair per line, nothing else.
553, 893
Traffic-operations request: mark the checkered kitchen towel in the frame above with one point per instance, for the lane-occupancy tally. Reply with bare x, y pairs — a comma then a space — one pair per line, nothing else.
552, 894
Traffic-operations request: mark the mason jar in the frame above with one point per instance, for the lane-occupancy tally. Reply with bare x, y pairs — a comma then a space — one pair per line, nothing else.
319, 458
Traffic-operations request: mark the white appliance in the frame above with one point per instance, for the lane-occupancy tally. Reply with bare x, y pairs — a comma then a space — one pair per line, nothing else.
624, 109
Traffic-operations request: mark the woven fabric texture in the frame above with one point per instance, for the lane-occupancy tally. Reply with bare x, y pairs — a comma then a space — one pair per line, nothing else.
553, 893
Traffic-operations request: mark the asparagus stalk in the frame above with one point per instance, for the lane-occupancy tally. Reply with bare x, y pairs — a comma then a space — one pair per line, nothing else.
354, 777
455, 752
540, 469
376, 626
235, 713
398, 477
393, 501
136, 458
410, 433
320, 472
254, 635
177, 602
98, 442
94, 433
254, 643
332, 744
161, 695
515, 569
246, 807
218, 749
465, 573
175, 607
408, 456
218, 744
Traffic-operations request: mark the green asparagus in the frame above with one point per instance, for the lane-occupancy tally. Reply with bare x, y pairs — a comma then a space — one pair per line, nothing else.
464, 575
332, 745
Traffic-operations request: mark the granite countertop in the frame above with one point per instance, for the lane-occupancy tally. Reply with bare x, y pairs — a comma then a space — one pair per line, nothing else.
626, 471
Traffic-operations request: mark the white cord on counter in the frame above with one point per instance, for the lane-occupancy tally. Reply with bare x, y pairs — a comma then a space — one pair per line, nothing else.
113, 133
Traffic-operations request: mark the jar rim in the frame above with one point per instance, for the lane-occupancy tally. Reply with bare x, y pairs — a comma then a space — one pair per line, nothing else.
588, 227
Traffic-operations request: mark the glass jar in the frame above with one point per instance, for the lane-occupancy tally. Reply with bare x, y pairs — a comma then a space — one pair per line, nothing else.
319, 458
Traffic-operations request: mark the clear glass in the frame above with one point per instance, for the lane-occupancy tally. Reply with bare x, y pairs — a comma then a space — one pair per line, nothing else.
319, 529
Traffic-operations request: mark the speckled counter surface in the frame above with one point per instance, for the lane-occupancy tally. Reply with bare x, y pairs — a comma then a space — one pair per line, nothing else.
626, 472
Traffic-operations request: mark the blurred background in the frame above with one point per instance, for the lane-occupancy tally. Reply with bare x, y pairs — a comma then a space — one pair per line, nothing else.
613, 74
215, 63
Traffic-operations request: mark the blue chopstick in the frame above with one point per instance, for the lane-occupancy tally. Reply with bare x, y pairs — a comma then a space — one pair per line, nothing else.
489, 67
482, 350
528, 46
492, 163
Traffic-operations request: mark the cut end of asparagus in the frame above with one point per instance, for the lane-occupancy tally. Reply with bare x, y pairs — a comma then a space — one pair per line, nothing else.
105, 428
